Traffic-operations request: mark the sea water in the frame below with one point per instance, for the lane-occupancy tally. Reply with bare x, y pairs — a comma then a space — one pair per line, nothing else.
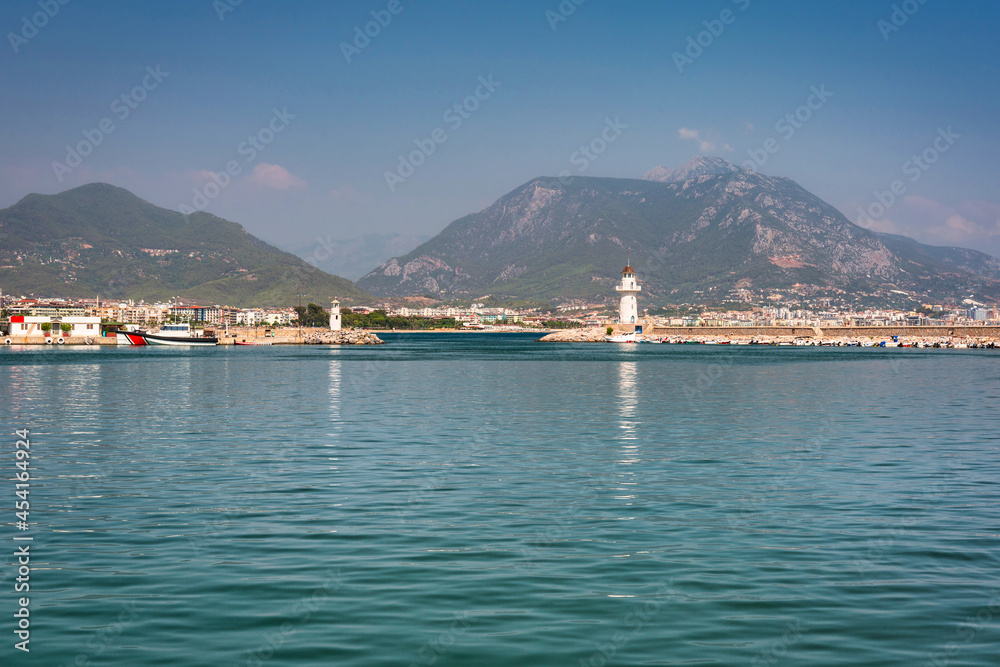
483, 499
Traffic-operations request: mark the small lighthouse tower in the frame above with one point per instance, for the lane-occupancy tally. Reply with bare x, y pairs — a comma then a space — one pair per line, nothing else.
335, 316
628, 311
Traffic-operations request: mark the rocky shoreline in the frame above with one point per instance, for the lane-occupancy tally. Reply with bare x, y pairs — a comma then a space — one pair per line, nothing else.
343, 337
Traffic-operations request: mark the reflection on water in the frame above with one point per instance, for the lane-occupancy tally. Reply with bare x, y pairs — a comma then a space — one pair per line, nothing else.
628, 399
335, 419
334, 388
24, 385
627, 453
79, 384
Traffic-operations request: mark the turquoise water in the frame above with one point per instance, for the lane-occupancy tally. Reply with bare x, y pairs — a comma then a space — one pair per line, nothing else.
486, 500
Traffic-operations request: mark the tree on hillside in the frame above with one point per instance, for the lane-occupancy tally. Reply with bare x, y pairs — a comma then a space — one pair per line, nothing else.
313, 316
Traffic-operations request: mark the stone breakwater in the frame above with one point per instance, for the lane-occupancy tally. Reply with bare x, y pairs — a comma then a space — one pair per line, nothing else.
953, 336
343, 337
591, 335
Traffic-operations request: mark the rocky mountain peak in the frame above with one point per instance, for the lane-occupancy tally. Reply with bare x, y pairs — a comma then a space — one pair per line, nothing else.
700, 165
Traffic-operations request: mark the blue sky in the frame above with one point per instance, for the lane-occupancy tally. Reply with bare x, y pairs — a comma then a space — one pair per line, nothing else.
329, 129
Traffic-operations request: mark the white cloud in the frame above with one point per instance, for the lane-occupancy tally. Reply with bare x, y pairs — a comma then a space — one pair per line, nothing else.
970, 224
960, 224
706, 143
275, 176
987, 213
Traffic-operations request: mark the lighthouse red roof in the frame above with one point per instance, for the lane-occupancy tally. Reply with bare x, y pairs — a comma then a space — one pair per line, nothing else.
628, 269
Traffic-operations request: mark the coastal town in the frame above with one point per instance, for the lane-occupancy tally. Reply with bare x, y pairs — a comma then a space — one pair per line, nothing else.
478, 315
76, 318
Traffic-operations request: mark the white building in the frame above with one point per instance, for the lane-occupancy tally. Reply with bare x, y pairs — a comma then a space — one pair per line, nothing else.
78, 325
278, 317
628, 311
250, 317
335, 316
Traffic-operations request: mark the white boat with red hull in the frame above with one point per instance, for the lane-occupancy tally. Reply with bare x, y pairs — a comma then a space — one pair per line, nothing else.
168, 334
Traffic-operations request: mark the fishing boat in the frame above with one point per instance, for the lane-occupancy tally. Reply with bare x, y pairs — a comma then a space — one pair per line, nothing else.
252, 342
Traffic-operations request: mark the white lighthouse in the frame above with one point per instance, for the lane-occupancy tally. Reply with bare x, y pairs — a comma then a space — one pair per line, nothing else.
335, 316
628, 311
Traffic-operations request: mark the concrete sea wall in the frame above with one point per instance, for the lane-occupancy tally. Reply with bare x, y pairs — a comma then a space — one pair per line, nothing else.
68, 340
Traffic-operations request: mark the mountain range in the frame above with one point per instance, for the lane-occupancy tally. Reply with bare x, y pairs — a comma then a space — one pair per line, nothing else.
706, 231
101, 240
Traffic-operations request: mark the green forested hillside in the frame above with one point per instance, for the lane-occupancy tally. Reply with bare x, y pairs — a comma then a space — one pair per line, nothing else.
103, 240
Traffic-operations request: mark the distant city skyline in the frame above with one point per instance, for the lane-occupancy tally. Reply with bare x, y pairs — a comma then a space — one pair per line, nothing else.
334, 120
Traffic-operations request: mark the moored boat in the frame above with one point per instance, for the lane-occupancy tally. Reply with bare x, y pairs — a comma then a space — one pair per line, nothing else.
171, 334
129, 336
621, 338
